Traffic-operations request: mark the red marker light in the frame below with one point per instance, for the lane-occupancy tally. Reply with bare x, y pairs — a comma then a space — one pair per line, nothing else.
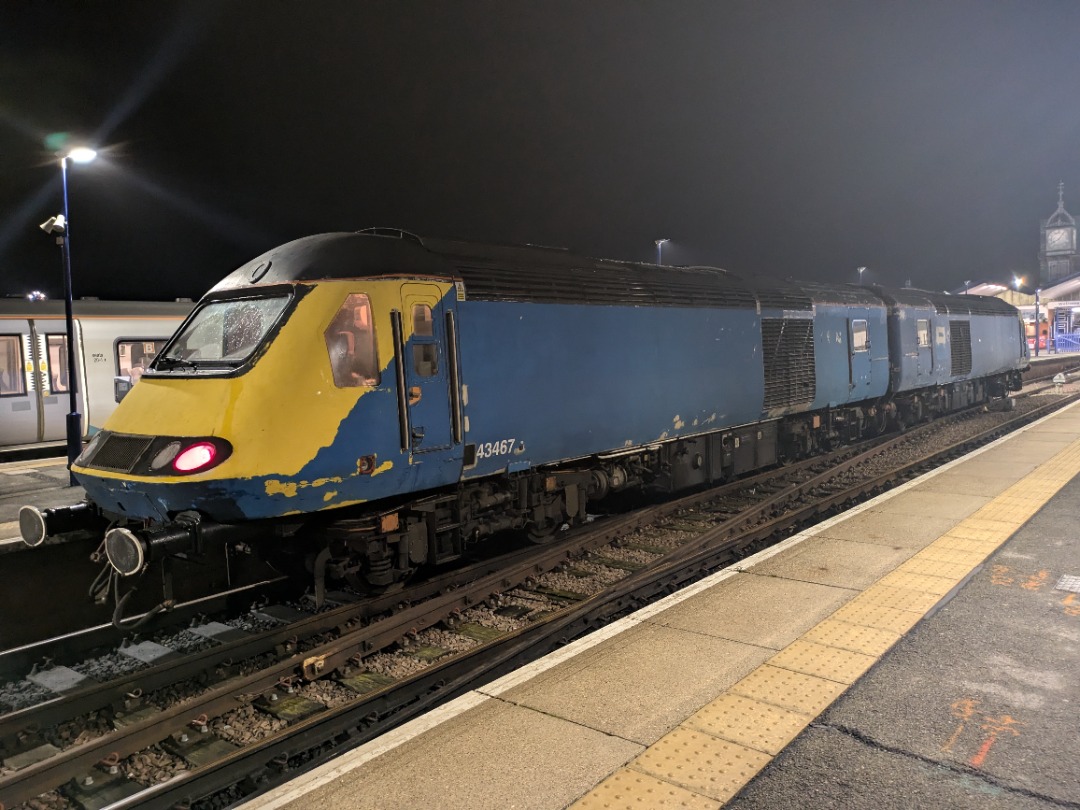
195, 457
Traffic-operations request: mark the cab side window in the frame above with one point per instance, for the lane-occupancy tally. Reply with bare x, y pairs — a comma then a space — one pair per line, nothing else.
350, 341
858, 336
922, 329
12, 379
425, 353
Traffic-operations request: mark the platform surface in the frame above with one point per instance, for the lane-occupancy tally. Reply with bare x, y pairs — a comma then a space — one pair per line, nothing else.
41, 482
913, 652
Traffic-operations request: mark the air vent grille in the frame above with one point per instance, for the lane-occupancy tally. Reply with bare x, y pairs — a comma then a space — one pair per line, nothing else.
119, 453
790, 375
960, 335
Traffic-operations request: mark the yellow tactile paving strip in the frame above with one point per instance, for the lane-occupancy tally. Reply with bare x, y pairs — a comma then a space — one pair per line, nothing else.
711, 755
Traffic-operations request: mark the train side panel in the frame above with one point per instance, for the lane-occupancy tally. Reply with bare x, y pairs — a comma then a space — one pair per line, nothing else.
997, 345
547, 382
919, 346
851, 354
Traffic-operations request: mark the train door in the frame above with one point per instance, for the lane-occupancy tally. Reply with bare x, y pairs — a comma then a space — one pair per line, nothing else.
859, 343
20, 401
924, 362
55, 376
426, 365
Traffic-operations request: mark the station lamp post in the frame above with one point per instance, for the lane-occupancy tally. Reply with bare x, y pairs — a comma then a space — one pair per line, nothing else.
61, 225
660, 250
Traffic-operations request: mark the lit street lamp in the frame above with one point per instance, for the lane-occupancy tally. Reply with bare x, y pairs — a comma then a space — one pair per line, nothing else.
660, 250
61, 225
861, 271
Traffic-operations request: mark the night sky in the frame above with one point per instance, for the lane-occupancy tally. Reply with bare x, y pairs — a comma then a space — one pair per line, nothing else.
923, 140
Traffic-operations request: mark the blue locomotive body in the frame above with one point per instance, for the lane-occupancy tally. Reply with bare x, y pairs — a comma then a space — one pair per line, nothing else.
405, 396
558, 382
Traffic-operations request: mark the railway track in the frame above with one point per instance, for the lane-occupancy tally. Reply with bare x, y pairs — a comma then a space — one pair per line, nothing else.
312, 684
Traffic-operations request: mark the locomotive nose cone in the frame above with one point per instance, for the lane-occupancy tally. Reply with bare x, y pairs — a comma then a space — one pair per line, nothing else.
125, 551
32, 526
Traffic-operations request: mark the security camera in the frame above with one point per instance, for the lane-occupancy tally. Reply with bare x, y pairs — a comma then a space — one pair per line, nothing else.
55, 224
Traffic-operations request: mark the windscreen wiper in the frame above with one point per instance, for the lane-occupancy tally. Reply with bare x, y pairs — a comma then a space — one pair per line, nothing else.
168, 363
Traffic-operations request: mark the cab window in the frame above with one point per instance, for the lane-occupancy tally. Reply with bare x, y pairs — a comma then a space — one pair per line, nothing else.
858, 336
350, 341
223, 334
12, 379
922, 329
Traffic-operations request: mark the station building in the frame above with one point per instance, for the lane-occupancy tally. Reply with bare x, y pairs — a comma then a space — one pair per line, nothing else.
1053, 302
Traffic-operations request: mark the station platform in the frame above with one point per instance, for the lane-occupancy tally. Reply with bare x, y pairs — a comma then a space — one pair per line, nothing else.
920, 650
43, 482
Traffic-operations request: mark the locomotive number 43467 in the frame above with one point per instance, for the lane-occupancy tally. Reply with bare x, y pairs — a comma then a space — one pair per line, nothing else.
489, 449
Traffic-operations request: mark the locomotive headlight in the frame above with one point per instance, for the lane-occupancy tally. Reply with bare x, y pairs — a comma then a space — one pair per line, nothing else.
167, 454
195, 457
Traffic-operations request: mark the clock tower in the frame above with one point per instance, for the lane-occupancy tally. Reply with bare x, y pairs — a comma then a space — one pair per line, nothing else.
1058, 256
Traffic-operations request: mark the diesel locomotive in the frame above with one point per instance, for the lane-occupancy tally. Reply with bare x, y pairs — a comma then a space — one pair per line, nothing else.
372, 402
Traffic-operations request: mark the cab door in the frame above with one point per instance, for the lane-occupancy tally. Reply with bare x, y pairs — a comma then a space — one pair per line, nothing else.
426, 361
20, 403
924, 351
859, 346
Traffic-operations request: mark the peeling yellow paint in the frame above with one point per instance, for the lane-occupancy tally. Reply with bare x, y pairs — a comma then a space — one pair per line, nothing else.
386, 465
274, 487
290, 488
679, 423
329, 496
663, 435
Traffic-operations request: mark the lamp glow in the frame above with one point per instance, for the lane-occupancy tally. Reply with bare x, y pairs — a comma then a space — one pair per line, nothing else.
82, 154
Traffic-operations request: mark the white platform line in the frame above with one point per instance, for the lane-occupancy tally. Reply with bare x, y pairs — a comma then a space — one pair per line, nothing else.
351, 760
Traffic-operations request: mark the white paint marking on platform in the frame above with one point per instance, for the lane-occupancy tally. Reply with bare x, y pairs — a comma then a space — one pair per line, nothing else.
351, 760
1068, 582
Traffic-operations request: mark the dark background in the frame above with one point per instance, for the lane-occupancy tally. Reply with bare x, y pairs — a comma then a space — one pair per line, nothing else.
923, 139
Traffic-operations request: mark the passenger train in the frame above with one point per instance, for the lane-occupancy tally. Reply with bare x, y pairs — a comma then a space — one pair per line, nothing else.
372, 402
114, 342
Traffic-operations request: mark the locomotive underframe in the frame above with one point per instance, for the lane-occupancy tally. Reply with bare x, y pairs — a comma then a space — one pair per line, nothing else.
382, 548
377, 548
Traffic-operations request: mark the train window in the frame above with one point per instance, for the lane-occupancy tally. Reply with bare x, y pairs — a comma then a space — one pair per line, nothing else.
133, 357
350, 340
858, 336
223, 332
425, 359
922, 328
422, 322
12, 379
58, 362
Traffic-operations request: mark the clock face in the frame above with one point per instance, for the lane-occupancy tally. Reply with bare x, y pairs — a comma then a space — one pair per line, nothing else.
1059, 239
